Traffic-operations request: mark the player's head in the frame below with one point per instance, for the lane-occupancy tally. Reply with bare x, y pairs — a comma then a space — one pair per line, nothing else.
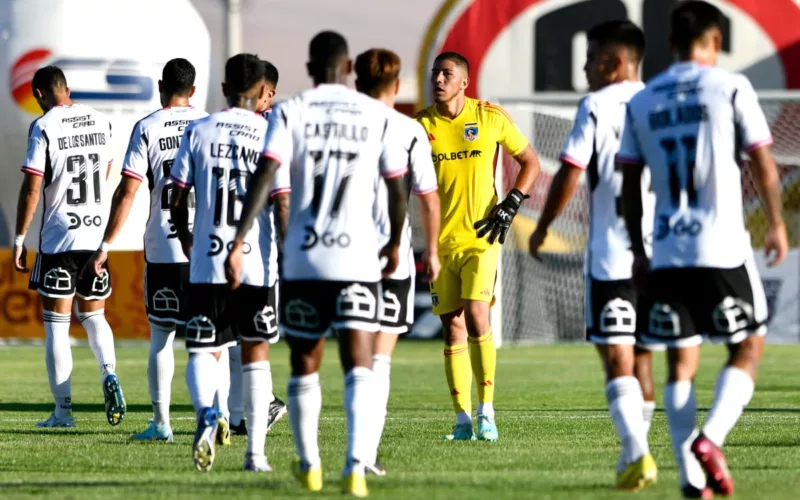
271, 77
177, 80
695, 32
449, 76
49, 85
245, 84
328, 58
614, 52
378, 73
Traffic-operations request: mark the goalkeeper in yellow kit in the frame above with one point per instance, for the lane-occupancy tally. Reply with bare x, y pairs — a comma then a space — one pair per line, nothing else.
465, 136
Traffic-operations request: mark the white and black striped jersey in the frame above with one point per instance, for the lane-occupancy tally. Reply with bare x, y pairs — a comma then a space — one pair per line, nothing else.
151, 152
420, 180
592, 146
70, 146
336, 143
218, 155
690, 125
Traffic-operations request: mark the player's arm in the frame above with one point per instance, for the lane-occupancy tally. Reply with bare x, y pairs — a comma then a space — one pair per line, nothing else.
425, 186
33, 168
182, 177
281, 208
575, 157
398, 207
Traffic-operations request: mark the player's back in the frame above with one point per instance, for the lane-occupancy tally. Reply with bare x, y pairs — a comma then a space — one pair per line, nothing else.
154, 144
603, 112
218, 156
333, 138
70, 146
691, 123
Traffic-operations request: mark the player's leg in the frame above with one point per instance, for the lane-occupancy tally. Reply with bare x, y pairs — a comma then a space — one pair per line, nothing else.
478, 276
643, 371
221, 399
58, 359
236, 396
448, 305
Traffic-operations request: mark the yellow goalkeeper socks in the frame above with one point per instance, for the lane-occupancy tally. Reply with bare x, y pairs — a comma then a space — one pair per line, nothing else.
483, 354
457, 369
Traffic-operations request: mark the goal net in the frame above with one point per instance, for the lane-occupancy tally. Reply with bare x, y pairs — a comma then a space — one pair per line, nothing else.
542, 302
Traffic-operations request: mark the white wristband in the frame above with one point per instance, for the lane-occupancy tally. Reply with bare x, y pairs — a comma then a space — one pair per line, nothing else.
105, 247
19, 240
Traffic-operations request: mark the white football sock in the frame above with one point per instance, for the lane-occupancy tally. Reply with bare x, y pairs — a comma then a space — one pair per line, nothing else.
58, 358
681, 408
223, 382
486, 409
463, 418
257, 379
305, 400
624, 396
358, 405
236, 397
733, 393
201, 379
648, 410
160, 370
381, 370
101, 340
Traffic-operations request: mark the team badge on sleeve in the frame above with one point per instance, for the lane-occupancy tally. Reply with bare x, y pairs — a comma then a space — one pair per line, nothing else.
470, 131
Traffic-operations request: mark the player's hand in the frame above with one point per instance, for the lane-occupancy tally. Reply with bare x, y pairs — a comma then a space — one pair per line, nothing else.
21, 258
392, 254
497, 224
95, 264
233, 264
432, 266
641, 272
536, 242
776, 244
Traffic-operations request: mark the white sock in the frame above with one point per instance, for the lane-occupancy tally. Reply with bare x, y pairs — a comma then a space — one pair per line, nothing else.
58, 358
463, 418
236, 397
733, 392
305, 400
624, 396
381, 378
486, 409
201, 379
101, 340
358, 405
223, 382
160, 370
648, 410
681, 408
257, 379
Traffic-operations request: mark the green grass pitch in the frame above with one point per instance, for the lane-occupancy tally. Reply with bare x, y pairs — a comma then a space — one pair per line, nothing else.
556, 439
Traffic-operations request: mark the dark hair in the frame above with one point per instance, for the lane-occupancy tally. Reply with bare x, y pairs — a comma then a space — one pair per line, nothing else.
177, 77
243, 72
619, 32
690, 21
270, 73
48, 78
454, 57
327, 48
376, 69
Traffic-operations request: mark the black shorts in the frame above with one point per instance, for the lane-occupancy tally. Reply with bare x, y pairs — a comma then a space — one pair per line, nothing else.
309, 308
396, 307
166, 292
723, 305
616, 313
218, 316
57, 276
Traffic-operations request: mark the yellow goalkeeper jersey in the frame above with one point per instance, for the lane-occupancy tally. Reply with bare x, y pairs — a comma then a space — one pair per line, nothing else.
465, 152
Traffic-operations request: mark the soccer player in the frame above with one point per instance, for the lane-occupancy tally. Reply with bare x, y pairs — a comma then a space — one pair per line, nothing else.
336, 143
377, 72
465, 135
280, 202
68, 149
612, 308
217, 157
151, 152
690, 125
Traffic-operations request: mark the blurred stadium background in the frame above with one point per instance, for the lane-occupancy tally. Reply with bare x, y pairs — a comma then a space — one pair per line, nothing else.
526, 55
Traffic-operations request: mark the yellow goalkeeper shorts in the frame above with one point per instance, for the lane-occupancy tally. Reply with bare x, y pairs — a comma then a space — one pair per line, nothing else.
467, 275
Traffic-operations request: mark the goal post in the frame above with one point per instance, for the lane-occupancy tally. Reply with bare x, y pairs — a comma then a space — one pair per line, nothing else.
542, 302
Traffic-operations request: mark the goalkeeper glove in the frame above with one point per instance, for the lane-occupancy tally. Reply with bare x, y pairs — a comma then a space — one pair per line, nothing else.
497, 224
